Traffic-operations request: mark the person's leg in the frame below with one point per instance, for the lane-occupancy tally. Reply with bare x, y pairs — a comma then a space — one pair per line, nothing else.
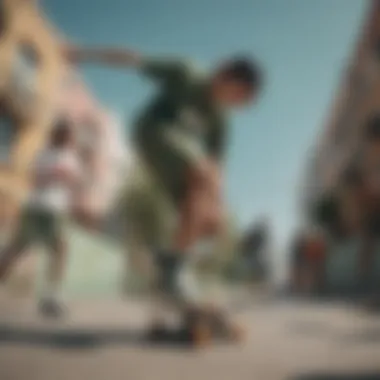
176, 169
14, 249
190, 220
170, 263
200, 218
51, 302
214, 221
200, 211
176, 159
190, 228
56, 269
9, 256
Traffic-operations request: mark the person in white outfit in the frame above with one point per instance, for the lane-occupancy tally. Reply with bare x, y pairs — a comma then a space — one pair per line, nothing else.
56, 175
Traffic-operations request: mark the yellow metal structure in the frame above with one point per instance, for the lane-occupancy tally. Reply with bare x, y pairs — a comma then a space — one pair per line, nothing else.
25, 29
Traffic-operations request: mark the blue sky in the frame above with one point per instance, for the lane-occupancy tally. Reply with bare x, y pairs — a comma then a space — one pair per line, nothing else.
302, 44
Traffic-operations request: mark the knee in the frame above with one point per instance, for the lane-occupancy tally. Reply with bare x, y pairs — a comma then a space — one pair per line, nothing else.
58, 248
213, 223
198, 178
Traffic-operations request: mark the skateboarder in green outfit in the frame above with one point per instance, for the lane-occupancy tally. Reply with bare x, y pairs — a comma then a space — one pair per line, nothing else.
181, 136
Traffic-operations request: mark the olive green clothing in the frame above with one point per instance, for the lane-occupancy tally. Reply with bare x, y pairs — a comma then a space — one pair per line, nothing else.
180, 127
146, 209
149, 219
40, 226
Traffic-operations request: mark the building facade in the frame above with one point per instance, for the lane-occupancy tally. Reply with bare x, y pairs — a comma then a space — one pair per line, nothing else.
333, 190
357, 100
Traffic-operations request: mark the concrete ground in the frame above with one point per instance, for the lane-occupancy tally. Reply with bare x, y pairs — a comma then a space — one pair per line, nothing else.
99, 341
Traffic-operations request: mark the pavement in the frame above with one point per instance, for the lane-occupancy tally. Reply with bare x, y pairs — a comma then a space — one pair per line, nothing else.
100, 339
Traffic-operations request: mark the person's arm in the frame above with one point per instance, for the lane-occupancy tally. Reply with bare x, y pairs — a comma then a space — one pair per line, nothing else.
169, 70
104, 55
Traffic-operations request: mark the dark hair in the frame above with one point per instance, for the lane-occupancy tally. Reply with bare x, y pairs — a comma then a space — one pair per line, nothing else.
245, 70
61, 134
352, 176
372, 130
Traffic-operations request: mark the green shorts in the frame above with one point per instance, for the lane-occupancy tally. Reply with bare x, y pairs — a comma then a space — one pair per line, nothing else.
40, 226
170, 153
146, 210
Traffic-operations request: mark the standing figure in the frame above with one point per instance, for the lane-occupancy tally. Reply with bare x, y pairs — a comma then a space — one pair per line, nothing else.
56, 175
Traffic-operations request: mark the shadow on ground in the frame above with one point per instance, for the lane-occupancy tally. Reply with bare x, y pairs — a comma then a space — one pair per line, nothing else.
310, 328
86, 339
369, 336
316, 329
342, 376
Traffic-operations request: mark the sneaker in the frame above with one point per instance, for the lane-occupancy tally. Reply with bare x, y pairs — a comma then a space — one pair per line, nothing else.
51, 308
157, 333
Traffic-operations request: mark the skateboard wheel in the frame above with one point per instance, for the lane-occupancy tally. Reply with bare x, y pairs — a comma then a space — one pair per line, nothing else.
201, 336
